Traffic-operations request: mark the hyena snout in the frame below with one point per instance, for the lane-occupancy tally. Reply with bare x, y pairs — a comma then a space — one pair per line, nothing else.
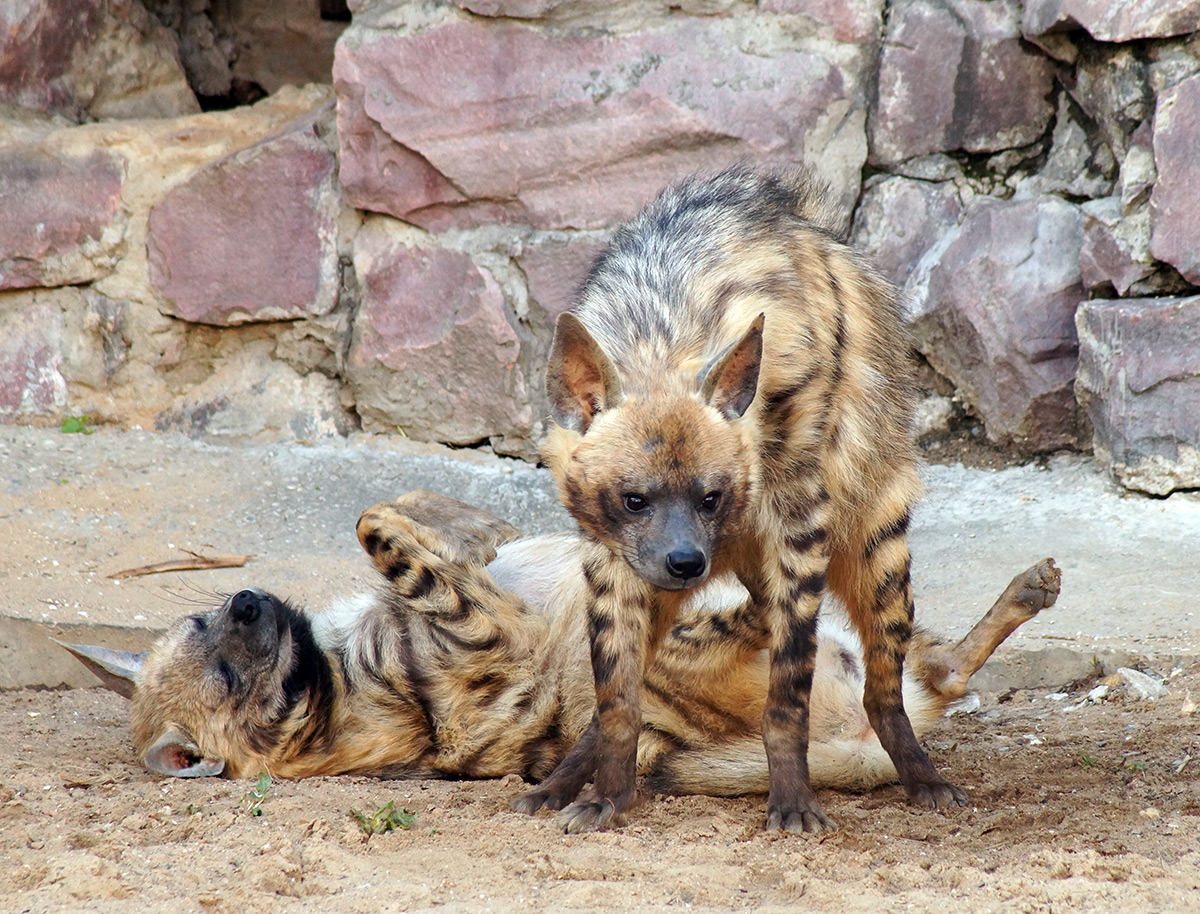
246, 606
255, 621
686, 563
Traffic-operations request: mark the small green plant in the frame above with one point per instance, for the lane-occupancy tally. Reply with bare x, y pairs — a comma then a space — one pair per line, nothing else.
193, 809
1088, 761
77, 425
385, 819
255, 797
1132, 765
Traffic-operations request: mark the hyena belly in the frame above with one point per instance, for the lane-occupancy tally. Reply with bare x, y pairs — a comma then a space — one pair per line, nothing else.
731, 393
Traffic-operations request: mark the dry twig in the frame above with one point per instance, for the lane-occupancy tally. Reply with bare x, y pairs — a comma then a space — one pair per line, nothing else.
197, 562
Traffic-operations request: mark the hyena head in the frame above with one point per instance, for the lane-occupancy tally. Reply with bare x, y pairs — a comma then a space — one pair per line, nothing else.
217, 692
661, 471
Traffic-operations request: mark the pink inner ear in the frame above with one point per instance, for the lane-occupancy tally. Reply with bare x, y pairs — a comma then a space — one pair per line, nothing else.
177, 758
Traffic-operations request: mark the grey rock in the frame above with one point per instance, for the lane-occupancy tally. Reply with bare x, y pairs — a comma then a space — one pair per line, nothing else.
1079, 164
516, 9
899, 219
1106, 20
204, 51
937, 89
993, 306
1175, 202
1112, 87
1116, 247
935, 167
91, 58
31, 357
250, 397
1142, 686
860, 21
585, 126
1138, 174
63, 221
269, 210
1139, 380
434, 350
1049, 667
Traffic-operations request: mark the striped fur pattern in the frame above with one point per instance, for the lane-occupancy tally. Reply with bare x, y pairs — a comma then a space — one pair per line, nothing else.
459, 668
732, 393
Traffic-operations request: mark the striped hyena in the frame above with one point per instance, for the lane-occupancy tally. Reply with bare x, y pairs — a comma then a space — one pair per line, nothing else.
732, 392
457, 668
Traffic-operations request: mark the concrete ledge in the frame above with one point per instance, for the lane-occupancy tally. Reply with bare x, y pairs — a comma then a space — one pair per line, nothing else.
75, 509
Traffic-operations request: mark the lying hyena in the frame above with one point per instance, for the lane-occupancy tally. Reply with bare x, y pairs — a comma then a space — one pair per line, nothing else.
455, 667
732, 393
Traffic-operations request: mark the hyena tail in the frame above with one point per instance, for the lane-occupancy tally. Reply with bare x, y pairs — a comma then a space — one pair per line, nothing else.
739, 767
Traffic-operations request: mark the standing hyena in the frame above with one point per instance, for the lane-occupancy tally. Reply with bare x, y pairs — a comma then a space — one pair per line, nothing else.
732, 393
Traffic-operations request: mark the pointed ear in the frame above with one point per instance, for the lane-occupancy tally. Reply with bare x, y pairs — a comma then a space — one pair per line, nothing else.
581, 381
730, 381
178, 756
116, 669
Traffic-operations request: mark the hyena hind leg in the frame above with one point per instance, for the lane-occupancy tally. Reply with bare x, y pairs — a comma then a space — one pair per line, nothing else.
451, 530
946, 668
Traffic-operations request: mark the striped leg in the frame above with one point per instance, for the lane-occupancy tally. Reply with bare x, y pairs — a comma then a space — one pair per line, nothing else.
791, 593
620, 616
875, 581
567, 779
623, 629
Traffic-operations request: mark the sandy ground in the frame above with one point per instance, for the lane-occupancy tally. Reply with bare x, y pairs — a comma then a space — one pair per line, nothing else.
1078, 808
1090, 808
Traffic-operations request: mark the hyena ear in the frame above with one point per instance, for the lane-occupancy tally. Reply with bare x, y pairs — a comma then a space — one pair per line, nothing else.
116, 669
581, 380
178, 756
730, 381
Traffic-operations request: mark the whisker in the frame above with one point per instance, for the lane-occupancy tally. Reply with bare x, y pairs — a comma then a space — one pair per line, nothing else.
198, 596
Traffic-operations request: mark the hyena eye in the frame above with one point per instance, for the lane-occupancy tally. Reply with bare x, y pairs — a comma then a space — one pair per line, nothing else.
710, 502
226, 674
635, 503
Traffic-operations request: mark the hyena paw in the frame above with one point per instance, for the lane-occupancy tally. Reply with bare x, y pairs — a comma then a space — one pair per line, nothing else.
546, 796
936, 795
810, 818
1041, 585
590, 814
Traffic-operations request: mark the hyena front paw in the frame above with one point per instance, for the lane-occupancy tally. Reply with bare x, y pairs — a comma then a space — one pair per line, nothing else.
590, 814
544, 795
937, 794
809, 817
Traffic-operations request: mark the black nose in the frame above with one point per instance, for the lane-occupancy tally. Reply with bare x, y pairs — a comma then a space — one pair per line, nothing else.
685, 563
245, 606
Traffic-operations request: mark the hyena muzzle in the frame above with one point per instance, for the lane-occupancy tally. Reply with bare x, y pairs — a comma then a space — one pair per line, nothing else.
732, 393
459, 668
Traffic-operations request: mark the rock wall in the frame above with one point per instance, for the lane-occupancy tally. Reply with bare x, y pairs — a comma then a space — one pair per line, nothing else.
389, 250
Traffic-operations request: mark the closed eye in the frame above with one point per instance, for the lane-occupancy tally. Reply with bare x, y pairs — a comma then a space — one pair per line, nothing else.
227, 676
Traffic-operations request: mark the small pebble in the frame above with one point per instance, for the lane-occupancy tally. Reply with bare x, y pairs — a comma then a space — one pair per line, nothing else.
1142, 686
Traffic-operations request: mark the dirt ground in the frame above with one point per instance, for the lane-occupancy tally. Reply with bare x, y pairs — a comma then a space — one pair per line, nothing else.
1078, 807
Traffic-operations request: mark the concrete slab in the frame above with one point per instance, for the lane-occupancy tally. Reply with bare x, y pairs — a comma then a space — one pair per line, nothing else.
75, 509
